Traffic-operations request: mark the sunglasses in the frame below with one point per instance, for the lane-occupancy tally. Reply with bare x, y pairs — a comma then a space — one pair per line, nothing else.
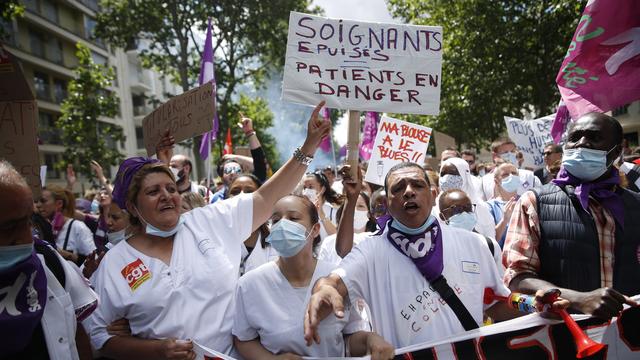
232, 170
457, 209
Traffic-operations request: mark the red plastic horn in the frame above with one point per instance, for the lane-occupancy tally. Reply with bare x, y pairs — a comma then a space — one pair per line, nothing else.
585, 346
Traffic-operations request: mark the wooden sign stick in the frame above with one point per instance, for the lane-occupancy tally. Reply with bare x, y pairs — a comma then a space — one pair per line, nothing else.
353, 142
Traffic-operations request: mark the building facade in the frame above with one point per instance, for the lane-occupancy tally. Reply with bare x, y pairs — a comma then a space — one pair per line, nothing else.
44, 40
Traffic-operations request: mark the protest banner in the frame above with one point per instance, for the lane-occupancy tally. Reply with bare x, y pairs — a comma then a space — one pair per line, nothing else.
355, 65
442, 142
530, 137
396, 141
533, 337
186, 116
18, 119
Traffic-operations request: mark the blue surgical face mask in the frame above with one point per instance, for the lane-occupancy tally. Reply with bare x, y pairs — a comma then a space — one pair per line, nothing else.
10, 256
509, 157
585, 164
288, 237
152, 230
95, 206
464, 220
511, 183
450, 182
412, 231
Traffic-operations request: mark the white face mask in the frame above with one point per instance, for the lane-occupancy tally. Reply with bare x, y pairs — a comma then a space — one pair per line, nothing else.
116, 236
360, 219
311, 194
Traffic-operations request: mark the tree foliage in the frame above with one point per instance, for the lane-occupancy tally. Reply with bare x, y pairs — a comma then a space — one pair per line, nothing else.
249, 38
258, 110
9, 9
500, 58
84, 137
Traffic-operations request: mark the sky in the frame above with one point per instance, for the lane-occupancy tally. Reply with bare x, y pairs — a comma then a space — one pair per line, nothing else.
363, 10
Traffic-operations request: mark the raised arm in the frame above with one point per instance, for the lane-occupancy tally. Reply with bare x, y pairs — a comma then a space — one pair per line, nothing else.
344, 237
285, 180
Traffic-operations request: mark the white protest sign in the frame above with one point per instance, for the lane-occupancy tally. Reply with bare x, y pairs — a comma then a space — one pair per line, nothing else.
204, 353
43, 175
186, 115
530, 136
363, 66
396, 141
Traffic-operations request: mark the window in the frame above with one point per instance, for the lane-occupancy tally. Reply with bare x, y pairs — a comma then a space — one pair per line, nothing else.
139, 102
54, 50
41, 85
9, 31
37, 42
59, 90
99, 59
91, 4
48, 132
139, 138
31, 5
50, 160
48, 10
89, 30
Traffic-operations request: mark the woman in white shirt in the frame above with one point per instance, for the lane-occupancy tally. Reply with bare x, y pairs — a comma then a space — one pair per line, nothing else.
175, 278
317, 189
255, 250
271, 300
74, 240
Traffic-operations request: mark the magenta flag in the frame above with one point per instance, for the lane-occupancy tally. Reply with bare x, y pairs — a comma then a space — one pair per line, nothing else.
369, 132
601, 70
560, 122
325, 145
207, 74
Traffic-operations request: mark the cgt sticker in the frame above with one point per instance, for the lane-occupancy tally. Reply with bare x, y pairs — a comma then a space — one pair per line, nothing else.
136, 273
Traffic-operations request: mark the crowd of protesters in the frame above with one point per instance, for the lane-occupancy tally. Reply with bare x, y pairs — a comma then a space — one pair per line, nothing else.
304, 263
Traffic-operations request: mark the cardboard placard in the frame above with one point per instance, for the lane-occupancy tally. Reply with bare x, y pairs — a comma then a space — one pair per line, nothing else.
18, 122
531, 136
396, 141
364, 66
442, 141
186, 115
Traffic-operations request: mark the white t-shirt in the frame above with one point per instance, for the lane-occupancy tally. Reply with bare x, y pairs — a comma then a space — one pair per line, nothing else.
528, 181
59, 320
193, 297
268, 307
405, 310
258, 256
331, 213
328, 251
80, 238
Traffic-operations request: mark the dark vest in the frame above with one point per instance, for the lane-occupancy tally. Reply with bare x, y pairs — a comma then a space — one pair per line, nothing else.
569, 247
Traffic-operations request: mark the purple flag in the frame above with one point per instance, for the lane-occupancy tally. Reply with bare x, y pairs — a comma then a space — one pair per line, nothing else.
369, 133
325, 145
207, 74
560, 123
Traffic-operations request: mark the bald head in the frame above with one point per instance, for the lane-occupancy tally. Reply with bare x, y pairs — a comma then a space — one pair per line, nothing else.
17, 207
452, 202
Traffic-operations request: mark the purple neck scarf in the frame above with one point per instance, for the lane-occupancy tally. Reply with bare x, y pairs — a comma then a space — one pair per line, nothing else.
425, 250
605, 192
23, 295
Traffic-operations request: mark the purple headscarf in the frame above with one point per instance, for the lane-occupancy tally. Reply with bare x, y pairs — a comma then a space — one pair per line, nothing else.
125, 174
604, 191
